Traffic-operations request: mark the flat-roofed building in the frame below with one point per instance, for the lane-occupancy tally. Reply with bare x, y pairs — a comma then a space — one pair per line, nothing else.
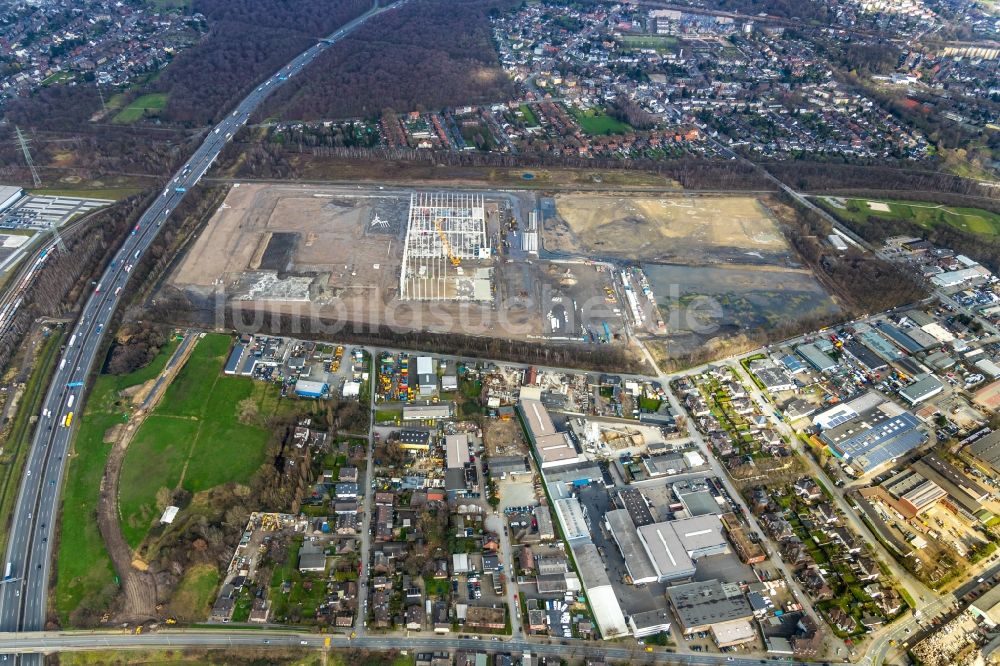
625, 534
552, 447
634, 503
734, 632
456, 450
427, 381
816, 358
987, 607
648, 623
924, 388
697, 501
573, 518
665, 552
503, 466
874, 437
556, 449
701, 536
914, 492
601, 594
9, 194
544, 519
957, 499
426, 412
865, 357
775, 379
702, 605
415, 440
987, 450
956, 477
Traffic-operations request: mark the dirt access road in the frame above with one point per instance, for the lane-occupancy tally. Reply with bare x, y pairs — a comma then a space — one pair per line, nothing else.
138, 598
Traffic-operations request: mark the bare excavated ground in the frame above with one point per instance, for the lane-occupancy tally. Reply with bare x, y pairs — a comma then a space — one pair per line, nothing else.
335, 254
333, 236
676, 229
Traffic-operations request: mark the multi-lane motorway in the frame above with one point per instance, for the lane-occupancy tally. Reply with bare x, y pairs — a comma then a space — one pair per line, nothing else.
27, 561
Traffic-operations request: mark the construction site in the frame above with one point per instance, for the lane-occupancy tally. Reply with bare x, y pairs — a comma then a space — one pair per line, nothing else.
575, 268
448, 262
445, 252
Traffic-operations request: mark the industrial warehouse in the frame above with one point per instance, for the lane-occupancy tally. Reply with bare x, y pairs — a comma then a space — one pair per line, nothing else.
306, 369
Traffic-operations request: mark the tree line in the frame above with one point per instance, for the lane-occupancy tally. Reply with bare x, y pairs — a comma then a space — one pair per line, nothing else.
271, 160
815, 176
426, 55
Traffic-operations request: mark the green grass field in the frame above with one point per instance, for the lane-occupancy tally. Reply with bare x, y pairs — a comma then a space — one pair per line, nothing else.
596, 122
113, 193
58, 77
194, 438
657, 42
152, 104
86, 578
925, 214
164, 5
530, 119
192, 600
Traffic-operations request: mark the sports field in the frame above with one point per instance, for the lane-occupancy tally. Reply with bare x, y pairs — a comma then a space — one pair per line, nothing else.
153, 102
925, 214
86, 578
194, 439
658, 42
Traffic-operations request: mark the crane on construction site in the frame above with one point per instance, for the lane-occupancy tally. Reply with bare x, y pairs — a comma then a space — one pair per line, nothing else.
455, 261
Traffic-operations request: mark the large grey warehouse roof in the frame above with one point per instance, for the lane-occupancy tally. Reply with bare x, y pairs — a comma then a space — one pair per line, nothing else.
864, 356
627, 537
987, 450
925, 387
666, 551
703, 603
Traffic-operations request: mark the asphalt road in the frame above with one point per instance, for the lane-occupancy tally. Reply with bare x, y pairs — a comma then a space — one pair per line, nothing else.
28, 557
56, 641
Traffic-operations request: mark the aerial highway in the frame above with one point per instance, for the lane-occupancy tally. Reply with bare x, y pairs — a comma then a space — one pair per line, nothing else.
24, 586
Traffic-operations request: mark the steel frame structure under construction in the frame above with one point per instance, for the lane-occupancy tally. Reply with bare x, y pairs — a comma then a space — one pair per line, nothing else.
444, 229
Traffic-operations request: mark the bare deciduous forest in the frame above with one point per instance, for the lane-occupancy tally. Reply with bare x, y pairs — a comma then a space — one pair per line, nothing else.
427, 55
247, 41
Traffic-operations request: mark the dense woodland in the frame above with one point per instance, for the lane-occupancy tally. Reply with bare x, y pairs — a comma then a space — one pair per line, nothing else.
430, 54
247, 41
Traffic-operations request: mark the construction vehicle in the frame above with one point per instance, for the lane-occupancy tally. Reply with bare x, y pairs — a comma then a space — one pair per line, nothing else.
455, 261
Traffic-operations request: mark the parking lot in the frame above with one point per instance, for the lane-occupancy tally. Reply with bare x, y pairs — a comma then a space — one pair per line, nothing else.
42, 212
